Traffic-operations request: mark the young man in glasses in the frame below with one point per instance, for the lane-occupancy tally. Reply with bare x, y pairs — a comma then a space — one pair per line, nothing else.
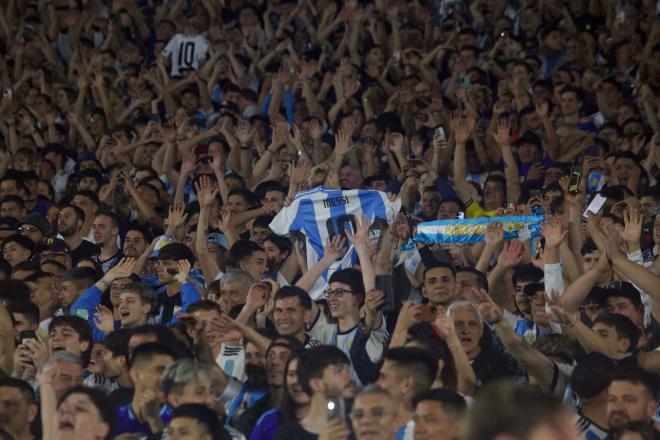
363, 340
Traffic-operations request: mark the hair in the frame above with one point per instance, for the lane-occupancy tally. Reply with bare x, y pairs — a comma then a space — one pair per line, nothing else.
423, 335
452, 402
637, 376
91, 195
81, 277
294, 292
591, 375
242, 250
26, 308
263, 221
377, 390
13, 198
99, 399
183, 372
176, 251
205, 305
288, 406
315, 360
115, 220
26, 390
80, 214
14, 291
558, 346
146, 293
21, 240
350, 277
436, 265
237, 276
506, 408
482, 280
526, 273
145, 352
164, 335
204, 415
282, 243
417, 363
67, 358
624, 327
77, 324
117, 342
465, 304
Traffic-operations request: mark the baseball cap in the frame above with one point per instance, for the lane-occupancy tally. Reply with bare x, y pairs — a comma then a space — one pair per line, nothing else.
56, 245
39, 221
219, 239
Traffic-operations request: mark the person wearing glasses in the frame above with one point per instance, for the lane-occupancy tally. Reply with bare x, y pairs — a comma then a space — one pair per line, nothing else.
35, 227
363, 340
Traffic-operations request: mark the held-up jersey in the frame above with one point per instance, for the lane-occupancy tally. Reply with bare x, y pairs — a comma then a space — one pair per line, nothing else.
187, 52
321, 214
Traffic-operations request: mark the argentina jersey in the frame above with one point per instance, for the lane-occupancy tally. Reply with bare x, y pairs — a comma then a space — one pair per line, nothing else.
321, 214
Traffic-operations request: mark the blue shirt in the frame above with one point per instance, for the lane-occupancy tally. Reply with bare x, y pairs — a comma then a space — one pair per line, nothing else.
127, 421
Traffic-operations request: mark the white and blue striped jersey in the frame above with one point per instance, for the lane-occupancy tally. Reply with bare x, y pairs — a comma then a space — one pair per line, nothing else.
321, 214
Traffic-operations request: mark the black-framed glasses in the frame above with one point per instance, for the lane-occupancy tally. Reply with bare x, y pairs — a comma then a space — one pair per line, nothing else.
336, 292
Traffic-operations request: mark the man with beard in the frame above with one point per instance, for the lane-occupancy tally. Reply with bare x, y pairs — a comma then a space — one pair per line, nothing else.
275, 361
429, 204
70, 221
18, 408
252, 391
631, 397
324, 373
135, 242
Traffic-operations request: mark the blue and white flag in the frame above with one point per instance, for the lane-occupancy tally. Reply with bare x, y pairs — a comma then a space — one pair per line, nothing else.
473, 230
321, 213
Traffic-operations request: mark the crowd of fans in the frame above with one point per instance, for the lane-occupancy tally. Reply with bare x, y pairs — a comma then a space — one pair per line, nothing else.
167, 167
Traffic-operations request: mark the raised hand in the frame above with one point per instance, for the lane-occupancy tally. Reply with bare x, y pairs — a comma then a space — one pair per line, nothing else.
361, 235
123, 269
558, 313
541, 106
503, 133
490, 311
510, 255
632, 230
176, 216
104, 319
183, 268
494, 234
343, 143
37, 350
205, 192
396, 143
335, 248
373, 300
553, 233
445, 324
461, 131
258, 295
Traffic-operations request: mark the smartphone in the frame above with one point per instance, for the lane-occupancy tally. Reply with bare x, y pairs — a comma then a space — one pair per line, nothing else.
26, 334
397, 55
428, 313
465, 81
461, 215
512, 206
384, 284
595, 205
7, 93
336, 409
575, 177
440, 133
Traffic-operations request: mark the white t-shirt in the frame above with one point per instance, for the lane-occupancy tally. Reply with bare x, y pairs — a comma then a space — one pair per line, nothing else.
187, 52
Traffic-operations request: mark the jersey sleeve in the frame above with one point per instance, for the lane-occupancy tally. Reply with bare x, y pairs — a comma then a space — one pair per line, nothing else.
169, 48
281, 224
